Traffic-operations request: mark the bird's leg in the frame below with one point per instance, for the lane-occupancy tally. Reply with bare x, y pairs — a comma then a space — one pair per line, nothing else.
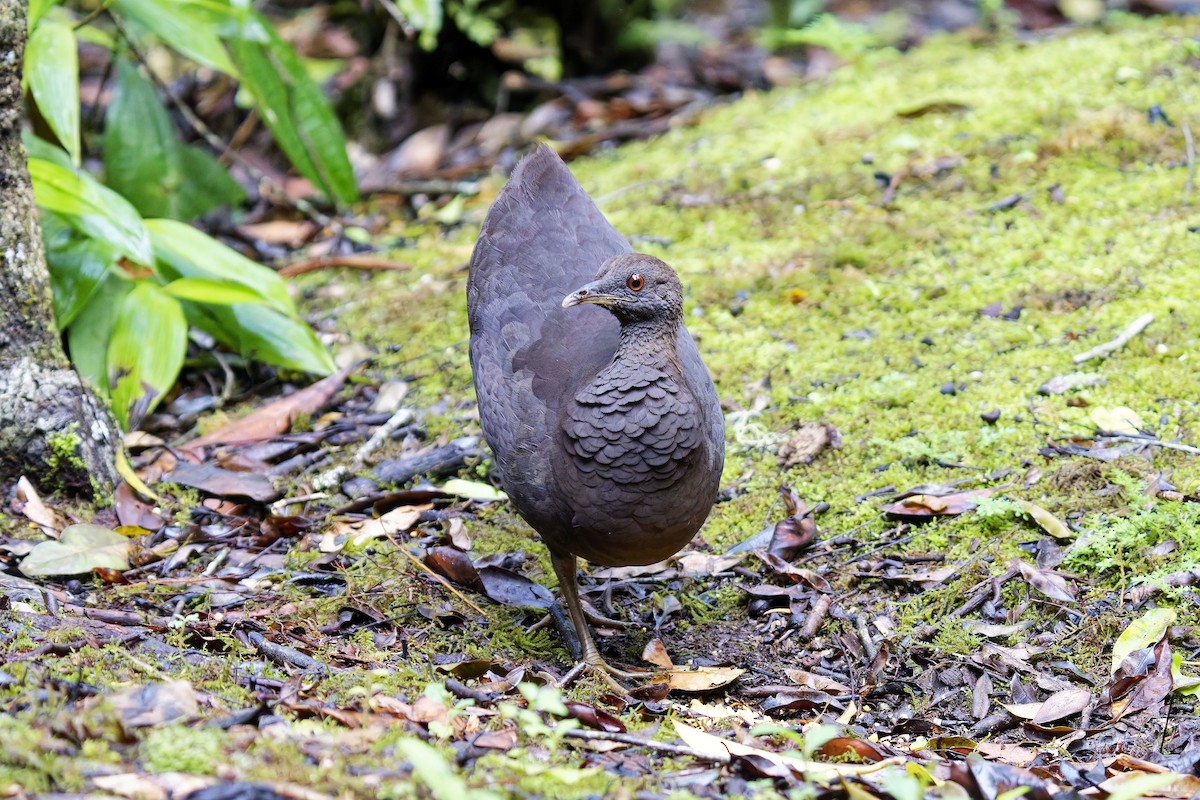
568, 584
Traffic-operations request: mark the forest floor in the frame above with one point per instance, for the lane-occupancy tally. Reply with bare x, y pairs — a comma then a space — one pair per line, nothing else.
953, 555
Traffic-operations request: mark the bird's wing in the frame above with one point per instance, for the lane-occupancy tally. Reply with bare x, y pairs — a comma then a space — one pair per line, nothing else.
542, 239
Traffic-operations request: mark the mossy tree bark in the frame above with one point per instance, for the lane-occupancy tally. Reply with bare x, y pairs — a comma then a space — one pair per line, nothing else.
52, 428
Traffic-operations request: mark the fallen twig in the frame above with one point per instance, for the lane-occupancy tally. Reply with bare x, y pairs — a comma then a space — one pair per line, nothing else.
1122, 339
1152, 442
816, 616
637, 741
282, 654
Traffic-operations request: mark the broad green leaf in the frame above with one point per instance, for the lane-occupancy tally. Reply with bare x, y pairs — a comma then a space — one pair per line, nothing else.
1186, 685
1145, 631
37, 9
208, 184
185, 252
52, 67
91, 207
296, 113
145, 353
79, 550
145, 161
206, 290
187, 27
89, 332
262, 333
77, 266
40, 148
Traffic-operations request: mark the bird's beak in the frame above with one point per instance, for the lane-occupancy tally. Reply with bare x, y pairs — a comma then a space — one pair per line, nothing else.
590, 294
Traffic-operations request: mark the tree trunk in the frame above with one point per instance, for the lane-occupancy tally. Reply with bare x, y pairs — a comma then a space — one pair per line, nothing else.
52, 428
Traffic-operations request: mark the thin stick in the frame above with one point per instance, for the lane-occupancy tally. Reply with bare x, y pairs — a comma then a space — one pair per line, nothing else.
636, 741
1185, 448
1123, 338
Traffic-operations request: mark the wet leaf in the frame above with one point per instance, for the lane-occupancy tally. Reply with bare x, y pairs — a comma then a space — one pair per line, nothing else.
1062, 704
455, 566
79, 550
594, 717
222, 482
1145, 631
508, 588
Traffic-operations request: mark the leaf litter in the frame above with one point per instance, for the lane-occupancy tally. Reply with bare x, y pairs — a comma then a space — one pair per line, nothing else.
335, 617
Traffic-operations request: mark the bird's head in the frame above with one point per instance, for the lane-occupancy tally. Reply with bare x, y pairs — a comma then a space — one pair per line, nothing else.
634, 287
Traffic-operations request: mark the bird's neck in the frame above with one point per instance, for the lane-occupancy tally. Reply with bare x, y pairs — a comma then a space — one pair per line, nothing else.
649, 342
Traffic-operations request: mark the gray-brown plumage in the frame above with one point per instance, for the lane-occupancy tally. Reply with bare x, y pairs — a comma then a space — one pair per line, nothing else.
603, 420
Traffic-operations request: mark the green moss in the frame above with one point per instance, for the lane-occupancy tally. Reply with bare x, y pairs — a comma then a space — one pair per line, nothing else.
178, 748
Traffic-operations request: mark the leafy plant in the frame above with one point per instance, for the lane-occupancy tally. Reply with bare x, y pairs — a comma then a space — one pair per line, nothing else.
129, 275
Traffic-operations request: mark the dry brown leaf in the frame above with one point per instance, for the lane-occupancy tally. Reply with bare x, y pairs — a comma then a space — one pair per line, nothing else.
274, 418
655, 652
1061, 705
703, 679
36, 511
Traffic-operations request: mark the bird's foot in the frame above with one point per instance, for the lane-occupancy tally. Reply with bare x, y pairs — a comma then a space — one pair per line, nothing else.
596, 618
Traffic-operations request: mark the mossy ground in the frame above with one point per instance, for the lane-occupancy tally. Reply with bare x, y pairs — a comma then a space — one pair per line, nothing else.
818, 294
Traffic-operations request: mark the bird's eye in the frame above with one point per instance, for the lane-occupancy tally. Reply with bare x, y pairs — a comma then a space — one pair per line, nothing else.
635, 282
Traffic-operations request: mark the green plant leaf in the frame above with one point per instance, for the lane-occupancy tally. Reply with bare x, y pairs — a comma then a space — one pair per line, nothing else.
40, 148
184, 252
262, 333
145, 353
1145, 631
52, 68
38, 9
89, 332
191, 28
208, 184
77, 266
206, 290
79, 550
145, 161
296, 113
91, 207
